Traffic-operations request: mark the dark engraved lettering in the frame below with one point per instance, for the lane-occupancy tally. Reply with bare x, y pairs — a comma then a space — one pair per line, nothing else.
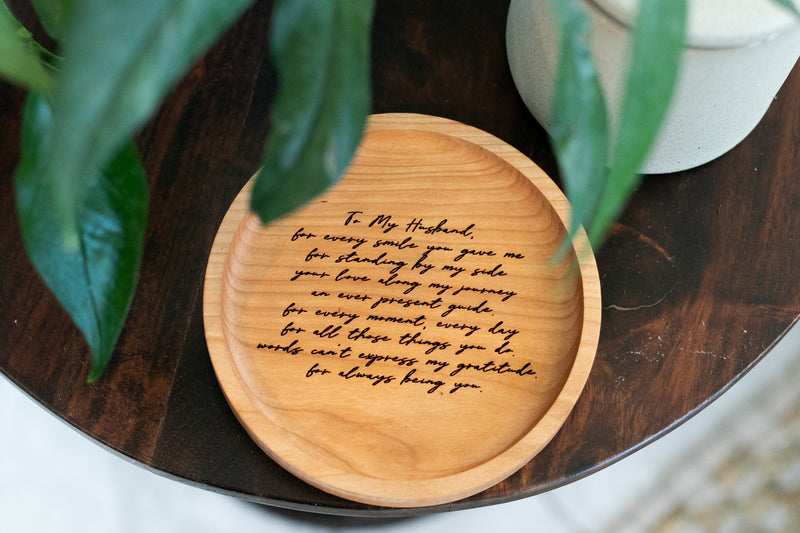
351, 217
329, 332
494, 272
506, 294
456, 270
300, 273
464, 347
299, 234
438, 364
497, 330
376, 379
347, 239
291, 349
338, 314
443, 288
416, 338
406, 302
381, 260
423, 267
323, 352
371, 277
409, 378
458, 386
471, 328
291, 328
408, 242
385, 223
316, 369
417, 322
344, 276
356, 334
475, 253
480, 308
503, 349
356, 297
289, 309
394, 280
400, 361
491, 366
315, 254
440, 227
342, 354
436, 247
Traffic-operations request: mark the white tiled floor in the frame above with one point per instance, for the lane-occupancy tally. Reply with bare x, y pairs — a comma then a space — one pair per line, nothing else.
54, 480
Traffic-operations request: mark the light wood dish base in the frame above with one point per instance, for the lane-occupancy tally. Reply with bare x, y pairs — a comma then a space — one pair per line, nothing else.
404, 339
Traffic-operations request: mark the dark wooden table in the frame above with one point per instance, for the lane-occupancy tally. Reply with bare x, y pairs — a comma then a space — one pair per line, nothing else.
699, 277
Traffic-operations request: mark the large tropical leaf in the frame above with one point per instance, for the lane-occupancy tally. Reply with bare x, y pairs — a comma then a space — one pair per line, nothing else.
579, 129
94, 281
119, 60
321, 51
657, 48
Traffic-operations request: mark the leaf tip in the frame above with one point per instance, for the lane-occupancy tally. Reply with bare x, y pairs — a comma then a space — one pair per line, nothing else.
94, 373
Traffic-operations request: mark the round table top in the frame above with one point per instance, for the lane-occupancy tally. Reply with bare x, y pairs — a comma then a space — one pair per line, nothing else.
698, 276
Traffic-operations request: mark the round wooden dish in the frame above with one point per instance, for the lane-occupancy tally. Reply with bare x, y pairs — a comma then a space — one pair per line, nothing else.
405, 339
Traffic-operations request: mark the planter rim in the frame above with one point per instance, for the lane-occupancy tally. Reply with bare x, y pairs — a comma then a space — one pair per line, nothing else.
718, 23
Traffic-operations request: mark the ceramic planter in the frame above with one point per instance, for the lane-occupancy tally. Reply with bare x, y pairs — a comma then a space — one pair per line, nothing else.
737, 55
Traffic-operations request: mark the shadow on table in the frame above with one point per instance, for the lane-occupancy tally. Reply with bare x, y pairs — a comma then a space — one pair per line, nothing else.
336, 520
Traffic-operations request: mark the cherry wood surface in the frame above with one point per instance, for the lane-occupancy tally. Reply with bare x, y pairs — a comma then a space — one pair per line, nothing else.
420, 427
699, 277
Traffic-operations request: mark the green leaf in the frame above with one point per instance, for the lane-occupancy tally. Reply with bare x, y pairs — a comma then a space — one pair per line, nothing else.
791, 6
657, 48
579, 130
120, 59
94, 282
321, 51
53, 14
18, 62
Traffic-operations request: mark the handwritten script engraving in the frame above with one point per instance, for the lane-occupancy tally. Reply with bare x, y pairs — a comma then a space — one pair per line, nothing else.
408, 303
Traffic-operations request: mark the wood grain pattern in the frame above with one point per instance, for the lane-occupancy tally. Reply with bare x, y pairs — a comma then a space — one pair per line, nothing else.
401, 405
699, 277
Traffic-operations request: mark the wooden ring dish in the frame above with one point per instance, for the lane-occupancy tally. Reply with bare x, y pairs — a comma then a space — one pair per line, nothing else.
405, 339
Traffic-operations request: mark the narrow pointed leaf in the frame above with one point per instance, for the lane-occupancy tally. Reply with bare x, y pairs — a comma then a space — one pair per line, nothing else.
657, 49
18, 62
321, 51
579, 130
94, 282
120, 59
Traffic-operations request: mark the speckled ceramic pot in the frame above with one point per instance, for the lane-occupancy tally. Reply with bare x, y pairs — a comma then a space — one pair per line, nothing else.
737, 55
